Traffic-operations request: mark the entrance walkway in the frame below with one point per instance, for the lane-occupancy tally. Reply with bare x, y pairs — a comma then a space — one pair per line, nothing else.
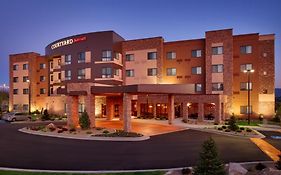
148, 129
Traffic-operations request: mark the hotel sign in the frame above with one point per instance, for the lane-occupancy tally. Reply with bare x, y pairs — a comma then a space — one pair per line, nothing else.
67, 42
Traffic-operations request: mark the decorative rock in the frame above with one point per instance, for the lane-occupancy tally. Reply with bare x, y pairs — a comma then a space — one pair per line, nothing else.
51, 126
236, 169
270, 171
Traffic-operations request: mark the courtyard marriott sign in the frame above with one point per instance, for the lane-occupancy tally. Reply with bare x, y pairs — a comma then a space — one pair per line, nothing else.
67, 42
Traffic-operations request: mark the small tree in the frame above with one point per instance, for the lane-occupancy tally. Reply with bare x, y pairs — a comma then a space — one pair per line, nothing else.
45, 115
209, 163
278, 163
232, 123
84, 120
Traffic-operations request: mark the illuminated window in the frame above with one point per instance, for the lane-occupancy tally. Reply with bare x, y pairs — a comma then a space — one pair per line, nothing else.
25, 107
42, 66
106, 55
130, 73
106, 72
246, 67
246, 49
15, 107
152, 55
171, 55
152, 72
67, 59
81, 108
81, 74
25, 66
196, 53
218, 68
196, 70
15, 67
130, 57
24, 78
67, 75
217, 50
81, 57
244, 110
25, 91
171, 71
217, 86
244, 86
198, 87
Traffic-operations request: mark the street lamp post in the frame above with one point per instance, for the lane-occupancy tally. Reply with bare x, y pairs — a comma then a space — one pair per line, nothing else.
248, 72
29, 97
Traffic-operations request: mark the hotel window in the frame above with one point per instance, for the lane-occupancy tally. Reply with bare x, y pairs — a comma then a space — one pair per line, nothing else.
196, 53
171, 71
198, 87
42, 78
15, 67
42, 65
81, 74
130, 57
106, 55
171, 55
59, 62
130, 73
15, 107
81, 57
25, 91
151, 55
196, 70
81, 108
246, 49
51, 90
116, 72
246, 67
218, 68
67, 59
152, 72
42, 91
15, 91
51, 64
244, 110
15, 79
25, 107
106, 72
25, 66
24, 78
59, 76
67, 75
244, 86
52, 78
217, 50
117, 55
217, 86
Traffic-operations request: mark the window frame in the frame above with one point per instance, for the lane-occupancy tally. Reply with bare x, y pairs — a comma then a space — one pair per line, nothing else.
215, 50
151, 53
171, 55
172, 71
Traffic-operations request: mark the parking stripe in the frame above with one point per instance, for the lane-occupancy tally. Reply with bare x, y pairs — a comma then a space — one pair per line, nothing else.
267, 148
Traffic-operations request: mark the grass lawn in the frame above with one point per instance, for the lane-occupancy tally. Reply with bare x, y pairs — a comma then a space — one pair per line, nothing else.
35, 173
245, 122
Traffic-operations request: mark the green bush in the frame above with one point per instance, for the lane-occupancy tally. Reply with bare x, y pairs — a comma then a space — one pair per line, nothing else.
220, 129
242, 128
238, 130
232, 123
224, 127
209, 163
249, 130
105, 132
84, 120
227, 130
45, 115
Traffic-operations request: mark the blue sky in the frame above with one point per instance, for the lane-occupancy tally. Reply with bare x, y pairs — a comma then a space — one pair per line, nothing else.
30, 25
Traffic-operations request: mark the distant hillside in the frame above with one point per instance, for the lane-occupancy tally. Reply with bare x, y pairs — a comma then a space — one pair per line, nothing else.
277, 92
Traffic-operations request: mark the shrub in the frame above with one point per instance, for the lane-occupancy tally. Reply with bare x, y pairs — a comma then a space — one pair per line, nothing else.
249, 130
220, 129
232, 123
238, 130
184, 120
242, 128
260, 166
99, 128
276, 118
45, 115
186, 171
224, 127
227, 130
89, 132
60, 131
278, 163
72, 129
105, 132
216, 123
84, 120
209, 162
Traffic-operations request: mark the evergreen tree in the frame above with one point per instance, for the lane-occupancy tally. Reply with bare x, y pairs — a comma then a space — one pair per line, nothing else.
84, 120
209, 163
232, 123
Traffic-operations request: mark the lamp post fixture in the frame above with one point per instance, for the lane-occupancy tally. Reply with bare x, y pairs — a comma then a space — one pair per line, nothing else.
248, 72
29, 97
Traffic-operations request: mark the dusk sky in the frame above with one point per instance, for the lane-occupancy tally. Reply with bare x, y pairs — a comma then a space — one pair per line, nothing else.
30, 25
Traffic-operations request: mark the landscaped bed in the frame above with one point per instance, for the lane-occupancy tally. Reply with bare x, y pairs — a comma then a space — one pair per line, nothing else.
53, 130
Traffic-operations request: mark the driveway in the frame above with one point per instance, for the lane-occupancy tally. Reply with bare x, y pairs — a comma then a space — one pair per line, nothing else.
273, 137
177, 149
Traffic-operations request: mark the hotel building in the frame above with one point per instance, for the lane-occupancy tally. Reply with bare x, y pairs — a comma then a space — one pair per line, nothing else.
110, 77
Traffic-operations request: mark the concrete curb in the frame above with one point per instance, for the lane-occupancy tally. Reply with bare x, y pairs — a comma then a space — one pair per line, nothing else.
119, 139
111, 171
260, 135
